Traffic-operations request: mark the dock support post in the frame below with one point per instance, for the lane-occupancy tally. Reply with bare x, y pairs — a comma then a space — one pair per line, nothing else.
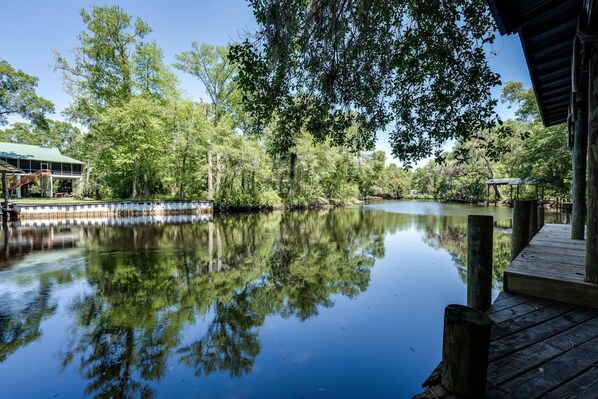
579, 160
5, 190
592, 209
533, 219
540, 216
465, 348
479, 261
521, 220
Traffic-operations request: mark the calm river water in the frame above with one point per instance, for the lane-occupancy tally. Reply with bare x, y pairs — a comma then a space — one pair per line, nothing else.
344, 303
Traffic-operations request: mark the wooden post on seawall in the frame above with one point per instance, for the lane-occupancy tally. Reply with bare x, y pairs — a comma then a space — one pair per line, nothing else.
479, 261
533, 219
592, 239
521, 219
465, 348
579, 160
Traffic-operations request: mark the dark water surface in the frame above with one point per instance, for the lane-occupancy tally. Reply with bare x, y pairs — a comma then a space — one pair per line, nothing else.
345, 303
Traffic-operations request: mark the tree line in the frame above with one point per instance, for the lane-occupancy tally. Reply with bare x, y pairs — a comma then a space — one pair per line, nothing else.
141, 136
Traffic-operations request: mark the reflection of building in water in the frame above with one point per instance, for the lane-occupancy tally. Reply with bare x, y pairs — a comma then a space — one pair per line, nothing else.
24, 237
105, 221
18, 242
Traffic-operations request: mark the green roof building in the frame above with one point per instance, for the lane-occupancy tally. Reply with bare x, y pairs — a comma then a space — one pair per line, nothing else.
40, 163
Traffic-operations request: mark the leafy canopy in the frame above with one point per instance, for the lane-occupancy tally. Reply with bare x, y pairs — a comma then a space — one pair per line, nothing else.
17, 96
415, 67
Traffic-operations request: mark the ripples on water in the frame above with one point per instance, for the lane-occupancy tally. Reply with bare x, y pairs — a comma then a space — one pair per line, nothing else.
343, 303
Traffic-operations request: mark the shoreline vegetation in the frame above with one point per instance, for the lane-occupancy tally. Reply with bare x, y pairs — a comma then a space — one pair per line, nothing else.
141, 138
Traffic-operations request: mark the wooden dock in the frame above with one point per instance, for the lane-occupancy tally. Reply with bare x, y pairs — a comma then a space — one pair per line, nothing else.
552, 266
543, 343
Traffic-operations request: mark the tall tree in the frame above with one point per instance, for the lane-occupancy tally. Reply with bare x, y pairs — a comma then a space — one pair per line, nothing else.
18, 97
212, 67
210, 64
102, 72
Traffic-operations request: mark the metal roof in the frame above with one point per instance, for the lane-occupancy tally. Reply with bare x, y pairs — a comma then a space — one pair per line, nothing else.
35, 153
511, 181
546, 29
8, 168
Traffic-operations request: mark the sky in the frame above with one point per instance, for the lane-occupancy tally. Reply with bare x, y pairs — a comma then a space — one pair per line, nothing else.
31, 30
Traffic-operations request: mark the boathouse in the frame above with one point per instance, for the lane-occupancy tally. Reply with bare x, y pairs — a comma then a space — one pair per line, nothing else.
55, 173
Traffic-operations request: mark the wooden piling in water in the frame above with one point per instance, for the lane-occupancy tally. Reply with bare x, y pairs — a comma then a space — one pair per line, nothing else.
521, 221
465, 348
479, 261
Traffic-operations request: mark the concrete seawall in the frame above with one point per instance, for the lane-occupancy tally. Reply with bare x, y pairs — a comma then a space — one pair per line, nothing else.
112, 209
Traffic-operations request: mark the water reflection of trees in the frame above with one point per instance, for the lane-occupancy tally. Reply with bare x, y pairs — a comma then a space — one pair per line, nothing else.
218, 281
149, 283
20, 324
450, 233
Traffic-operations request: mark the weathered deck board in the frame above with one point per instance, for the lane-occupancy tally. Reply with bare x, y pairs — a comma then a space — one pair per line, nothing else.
552, 266
543, 344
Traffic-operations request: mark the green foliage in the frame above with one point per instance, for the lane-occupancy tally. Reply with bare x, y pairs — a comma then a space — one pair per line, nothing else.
211, 66
420, 65
520, 148
62, 135
18, 97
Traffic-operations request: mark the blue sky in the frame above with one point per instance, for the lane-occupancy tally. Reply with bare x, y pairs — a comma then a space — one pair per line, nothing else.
32, 29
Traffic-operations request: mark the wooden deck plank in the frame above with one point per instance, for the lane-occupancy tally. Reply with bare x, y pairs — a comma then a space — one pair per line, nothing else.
529, 320
504, 295
435, 392
533, 356
518, 310
553, 373
509, 302
553, 267
512, 343
584, 386
575, 292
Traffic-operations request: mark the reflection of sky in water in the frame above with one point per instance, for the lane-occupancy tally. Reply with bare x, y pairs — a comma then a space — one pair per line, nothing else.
382, 341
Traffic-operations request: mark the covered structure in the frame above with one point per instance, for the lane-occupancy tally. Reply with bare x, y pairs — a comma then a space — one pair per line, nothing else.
511, 181
7, 169
33, 163
560, 43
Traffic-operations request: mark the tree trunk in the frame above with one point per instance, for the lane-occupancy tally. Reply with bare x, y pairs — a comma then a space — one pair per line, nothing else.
293, 163
218, 172
145, 186
210, 181
134, 188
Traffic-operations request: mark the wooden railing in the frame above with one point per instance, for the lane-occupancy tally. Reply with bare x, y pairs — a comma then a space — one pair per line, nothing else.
29, 178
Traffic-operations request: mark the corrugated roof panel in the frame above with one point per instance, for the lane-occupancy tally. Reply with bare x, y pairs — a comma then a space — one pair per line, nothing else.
546, 29
8, 168
34, 152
